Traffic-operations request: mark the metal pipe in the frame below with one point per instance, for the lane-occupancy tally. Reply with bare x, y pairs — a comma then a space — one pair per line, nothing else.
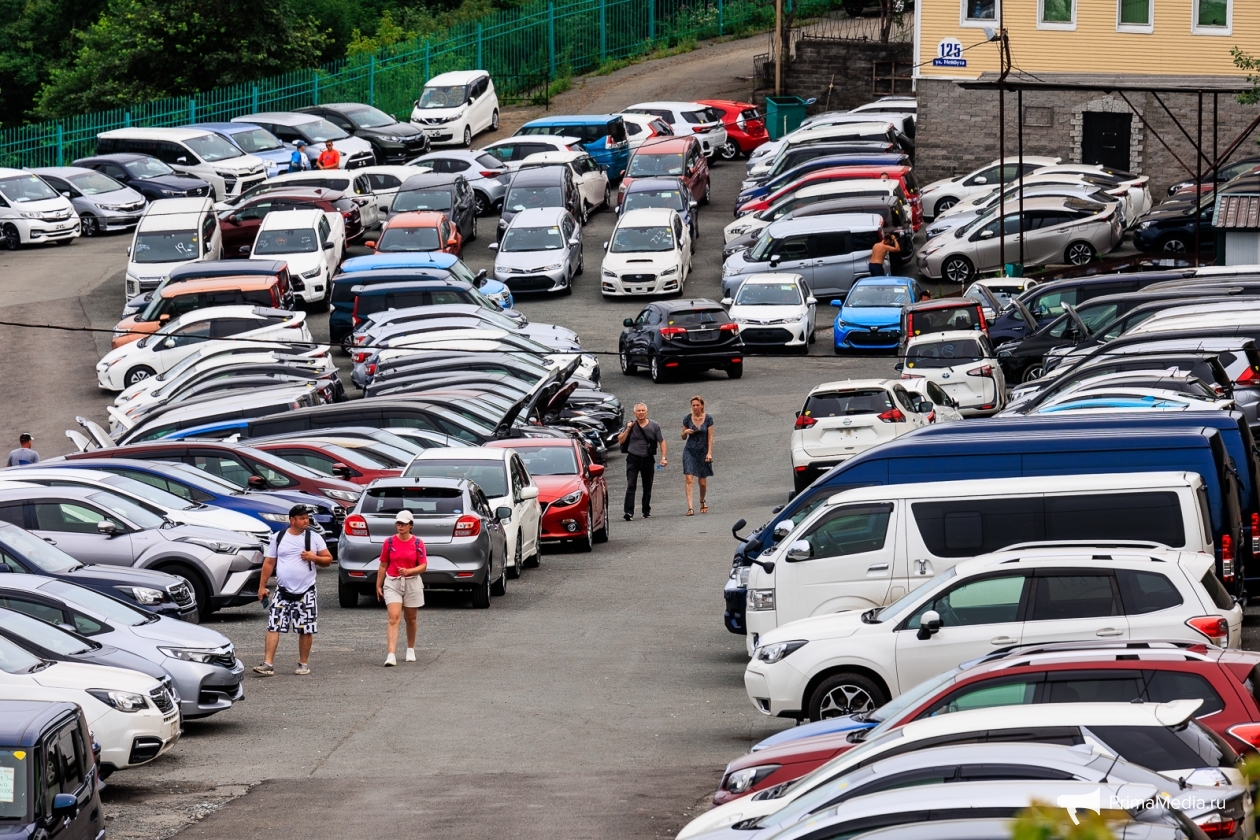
1198, 185
1019, 103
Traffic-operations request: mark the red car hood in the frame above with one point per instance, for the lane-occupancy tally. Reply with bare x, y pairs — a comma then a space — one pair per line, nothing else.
552, 487
817, 750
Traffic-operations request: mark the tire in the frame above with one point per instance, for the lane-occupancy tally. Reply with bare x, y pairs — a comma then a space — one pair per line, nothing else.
728, 150
737, 371
535, 559
581, 265
347, 595
843, 694
139, 373
585, 218
91, 225
499, 587
607, 205
628, 368
1175, 245
943, 204
1079, 253
517, 564
494, 120
958, 269
601, 534
586, 542
472, 236
657, 372
201, 592
1033, 371
10, 238
481, 595
467, 143
708, 189
481, 203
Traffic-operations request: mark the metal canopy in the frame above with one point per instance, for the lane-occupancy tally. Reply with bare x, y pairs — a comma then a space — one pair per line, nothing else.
1016, 80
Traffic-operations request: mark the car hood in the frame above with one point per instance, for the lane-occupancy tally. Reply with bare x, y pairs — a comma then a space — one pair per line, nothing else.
870, 316
156, 270
552, 487
398, 129
529, 260
124, 196
1169, 210
298, 263
217, 518
645, 261
176, 632
173, 182
346, 145
737, 264
555, 338
828, 726
76, 675
204, 532
437, 113
121, 576
936, 185
818, 628
765, 314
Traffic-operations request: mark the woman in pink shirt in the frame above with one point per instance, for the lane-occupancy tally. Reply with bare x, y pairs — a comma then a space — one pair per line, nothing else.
399, 585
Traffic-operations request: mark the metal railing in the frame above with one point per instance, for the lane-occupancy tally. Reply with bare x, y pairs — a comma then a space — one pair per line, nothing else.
518, 46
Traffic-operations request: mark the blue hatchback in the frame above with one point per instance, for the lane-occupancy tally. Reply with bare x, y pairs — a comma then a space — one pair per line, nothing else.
603, 137
870, 315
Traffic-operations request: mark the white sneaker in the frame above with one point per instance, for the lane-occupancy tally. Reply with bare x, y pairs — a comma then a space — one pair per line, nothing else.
411, 655
390, 661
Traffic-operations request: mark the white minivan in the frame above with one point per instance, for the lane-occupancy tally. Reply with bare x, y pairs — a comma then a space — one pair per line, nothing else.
32, 211
198, 152
869, 546
455, 106
171, 233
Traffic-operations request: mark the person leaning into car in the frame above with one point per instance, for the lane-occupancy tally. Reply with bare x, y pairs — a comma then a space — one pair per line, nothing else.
398, 583
639, 440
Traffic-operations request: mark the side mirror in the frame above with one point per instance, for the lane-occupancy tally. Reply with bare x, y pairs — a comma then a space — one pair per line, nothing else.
628, 322
929, 625
981, 180
65, 194
257, 482
728, 301
775, 259
4, 568
164, 317
129, 250
106, 527
577, 240
341, 470
503, 514
798, 551
244, 249
596, 470
811, 301
693, 204
605, 246
328, 246
479, 279
232, 219
987, 234
64, 806
493, 246
899, 366
181, 159
837, 303
370, 244
782, 530
528, 493
739, 523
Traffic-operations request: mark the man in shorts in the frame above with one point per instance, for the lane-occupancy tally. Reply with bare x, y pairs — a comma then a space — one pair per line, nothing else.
293, 555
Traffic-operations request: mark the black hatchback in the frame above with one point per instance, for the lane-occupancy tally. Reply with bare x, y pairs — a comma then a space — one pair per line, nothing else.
146, 175
392, 141
49, 772
441, 193
541, 186
673, 336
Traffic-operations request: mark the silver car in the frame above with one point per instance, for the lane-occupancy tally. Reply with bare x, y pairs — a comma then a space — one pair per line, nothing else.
102, 203
486, 174
541, 251
463, 537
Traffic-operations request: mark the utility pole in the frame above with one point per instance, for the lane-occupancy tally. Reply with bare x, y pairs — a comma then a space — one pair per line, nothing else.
778, 47
1004, 53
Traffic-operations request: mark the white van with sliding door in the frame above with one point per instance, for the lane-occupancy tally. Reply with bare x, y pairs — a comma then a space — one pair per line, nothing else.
867, 547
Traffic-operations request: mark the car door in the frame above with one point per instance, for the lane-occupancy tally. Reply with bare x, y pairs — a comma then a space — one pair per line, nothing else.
845, 560
212, 240
914, 420
364, 196
177, 345
530, 509
832, 267
811, 303
67, 764
640, 339
386, 189
978, 616
986, 244
682, 240
570, 231
332, 256
1075, 604
74, 526
240, 228
793, 253
1043, 236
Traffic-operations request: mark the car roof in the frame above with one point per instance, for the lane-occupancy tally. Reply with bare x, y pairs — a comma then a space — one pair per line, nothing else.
182, 133
691, 303
456, 77
308, 217
517, 139
429, 179
852, 384
471, 453
825, 224
964, 488
175, 213
229, 268
542, 158
677, 104
647, 216
670, 145
419, 284
278, 117
842, 187
10, 493
117, 157
883, 280
244, 282
655, 182
62, 171
1171, 713
943, 335
512, 444
415, 219
426, 261
539, 175
771, 278
325, 193
538, 217
22, 721
573, 119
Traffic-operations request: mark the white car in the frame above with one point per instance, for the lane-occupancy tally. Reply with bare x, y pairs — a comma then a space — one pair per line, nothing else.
963, 364
124, 708
189, 333
512, 150
751, 223
355, 185
692, 118
940, 406
640, 127
386, 181
941, 195
455, 106
32, 211
304, 239
172, 232
774, 310
845, 662
1137, 186
590, 180
649, 253
845, 418
502, 476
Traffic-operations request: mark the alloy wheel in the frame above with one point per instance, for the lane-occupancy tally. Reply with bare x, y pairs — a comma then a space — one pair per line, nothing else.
1080, 253
728, 150
494, 120
10, 238
481, 205
467, 136
90, 226
1175, 245
845, 700
957, 270
1033, 372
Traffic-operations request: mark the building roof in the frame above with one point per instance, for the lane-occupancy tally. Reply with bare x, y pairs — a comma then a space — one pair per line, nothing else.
1127, 82
1238, 212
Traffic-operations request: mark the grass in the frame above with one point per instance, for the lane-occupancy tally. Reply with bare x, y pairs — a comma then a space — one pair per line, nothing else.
615, 64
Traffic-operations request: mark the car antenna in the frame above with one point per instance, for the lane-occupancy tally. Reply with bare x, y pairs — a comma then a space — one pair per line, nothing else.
1106, 776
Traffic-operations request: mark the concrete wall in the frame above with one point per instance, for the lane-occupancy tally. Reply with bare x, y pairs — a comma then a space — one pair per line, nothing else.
958, 129
845, 66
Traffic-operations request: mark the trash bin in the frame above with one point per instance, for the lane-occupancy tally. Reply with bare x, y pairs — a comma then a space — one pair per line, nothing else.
1014, 270
784, 114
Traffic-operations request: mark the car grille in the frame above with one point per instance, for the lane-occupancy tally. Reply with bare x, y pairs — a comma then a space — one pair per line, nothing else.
252, 182
431, 120
871, 339
163, 699
534, 283
638, 278
148, 284
766, 335
226, 657
181, 594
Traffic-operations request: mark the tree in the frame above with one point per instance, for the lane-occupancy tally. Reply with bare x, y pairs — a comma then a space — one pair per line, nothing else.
35, 37
140, 50
1243, 61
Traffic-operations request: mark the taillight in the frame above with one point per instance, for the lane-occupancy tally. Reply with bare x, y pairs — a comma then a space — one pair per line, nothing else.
987, 370
910, 324
360, 339
1249, 378
360, 358
932, 416
1255, 533
1227, 558
485, 173
805, 422
467, 526
1248, 733
355, 526
370, 370
731, 328
700, 129
1217, 825
913, 376
668, 333
1213, 626
893, 415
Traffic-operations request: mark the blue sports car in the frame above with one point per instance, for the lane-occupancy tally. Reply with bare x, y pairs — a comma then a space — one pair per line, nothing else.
870, 315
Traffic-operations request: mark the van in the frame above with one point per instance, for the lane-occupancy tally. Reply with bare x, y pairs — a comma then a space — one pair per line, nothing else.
455, 106
270, 291
829, 252
198, 152
869, 546
602, 135
58, 787
32, 211
172, 232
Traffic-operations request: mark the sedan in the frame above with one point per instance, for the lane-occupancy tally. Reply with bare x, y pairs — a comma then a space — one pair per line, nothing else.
571, 489
649, 253
963, 365
774, 310
541, 251
681, 335
870, 315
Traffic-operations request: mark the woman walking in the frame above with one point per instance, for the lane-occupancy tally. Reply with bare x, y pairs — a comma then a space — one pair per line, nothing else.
698, 451
398, 583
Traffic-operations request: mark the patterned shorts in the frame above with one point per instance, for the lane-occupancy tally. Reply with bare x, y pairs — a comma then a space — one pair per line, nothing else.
301, 614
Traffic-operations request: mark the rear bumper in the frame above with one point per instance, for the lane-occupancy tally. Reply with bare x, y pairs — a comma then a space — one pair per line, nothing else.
703, 361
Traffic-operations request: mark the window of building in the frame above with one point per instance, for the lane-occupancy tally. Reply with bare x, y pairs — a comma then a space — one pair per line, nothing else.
1056, 14
1212, 17
1135, 16
979, 12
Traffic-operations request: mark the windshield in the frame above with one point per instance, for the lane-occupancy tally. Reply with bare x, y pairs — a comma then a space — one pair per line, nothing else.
25, 188
319, 130
942, 354
165, 246
257, 140
114, 610
490, 476
212, 147
422, 199
642, 165
148, 492
44, 635
147, 167
442, 97
15, 802
878, 296
634, 240
94, 183
287, 241
37, 552
15, 660
400, 239
532, 239
370, 118
768, 294
894, 610
128, 509
548, 460
669, 199
524, 198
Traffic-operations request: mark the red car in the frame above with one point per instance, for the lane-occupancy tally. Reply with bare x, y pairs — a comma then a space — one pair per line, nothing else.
1228, 682
745, 127
419, 232
354, 464
571, 489
901, 174
670, 157
239, 226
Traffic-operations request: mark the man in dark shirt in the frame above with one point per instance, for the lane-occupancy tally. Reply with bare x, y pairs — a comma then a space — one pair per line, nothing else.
640, 437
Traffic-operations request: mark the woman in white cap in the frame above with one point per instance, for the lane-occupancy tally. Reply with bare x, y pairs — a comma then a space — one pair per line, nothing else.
399, 585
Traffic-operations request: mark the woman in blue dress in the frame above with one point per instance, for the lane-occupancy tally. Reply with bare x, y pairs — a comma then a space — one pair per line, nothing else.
697, 431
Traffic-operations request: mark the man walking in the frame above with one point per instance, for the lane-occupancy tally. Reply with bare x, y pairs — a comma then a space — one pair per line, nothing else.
639, 439
293, 555
23, 455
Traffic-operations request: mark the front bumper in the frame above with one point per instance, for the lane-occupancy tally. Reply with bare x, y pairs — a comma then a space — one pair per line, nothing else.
240, 589
638, 284
206, 688
42, 231
773, 335
537, 281
867, 338
143, 737
401, 152
117, 221
564, 523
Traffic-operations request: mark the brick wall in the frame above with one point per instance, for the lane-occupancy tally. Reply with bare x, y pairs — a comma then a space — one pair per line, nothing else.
845, 66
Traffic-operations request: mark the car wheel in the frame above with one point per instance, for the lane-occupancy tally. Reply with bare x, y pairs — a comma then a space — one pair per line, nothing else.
499, 587
91, 227
494, 120
943, 204
481, 595
1175, 245
347, 343
347, 595
607, 205
585, 218
708, 188
581, 266
845, 694
601, 534
139, 373
655, 369
481, 203
958, 269
627, 367
728, 150
586, 542
1079, 253
737, 371
472, 235
10, 237
1033, 371
517, 565
467, 136
535, 560
199, 589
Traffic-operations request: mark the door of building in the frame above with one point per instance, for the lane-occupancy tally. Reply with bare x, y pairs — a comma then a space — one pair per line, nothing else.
1105, 139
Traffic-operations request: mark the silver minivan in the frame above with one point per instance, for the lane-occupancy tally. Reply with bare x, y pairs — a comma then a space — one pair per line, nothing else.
830, 252
102, 203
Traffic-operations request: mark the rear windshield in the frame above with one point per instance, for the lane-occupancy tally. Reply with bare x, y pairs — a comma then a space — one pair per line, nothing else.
435, 500
1215, 589
697, 317
848, 403
1164, 748
490, 476
945, 320
941, 354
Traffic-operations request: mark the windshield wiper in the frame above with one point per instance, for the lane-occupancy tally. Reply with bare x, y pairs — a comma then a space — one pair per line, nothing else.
152, 618
43, 663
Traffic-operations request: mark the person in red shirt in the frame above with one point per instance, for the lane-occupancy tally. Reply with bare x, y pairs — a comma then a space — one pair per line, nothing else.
399, 585
330, 158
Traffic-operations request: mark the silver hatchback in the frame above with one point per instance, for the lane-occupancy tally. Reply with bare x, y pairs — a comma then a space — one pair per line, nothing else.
463, 537
102, 203
541, 251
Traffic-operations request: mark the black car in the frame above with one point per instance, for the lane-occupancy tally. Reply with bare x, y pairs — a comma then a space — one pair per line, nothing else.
669, 337
50, 774
146, 175
21, 552
1228, 172
444, 193
541, 186
392, 141
1169, 228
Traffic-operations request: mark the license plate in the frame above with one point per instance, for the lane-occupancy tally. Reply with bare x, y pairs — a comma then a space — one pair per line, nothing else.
61, 226
703, 335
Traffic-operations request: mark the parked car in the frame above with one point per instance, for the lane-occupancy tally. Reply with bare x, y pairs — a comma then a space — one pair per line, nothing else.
870, 315
689, 118
254, 140
902, 175
1133, 188
510, 151
464, 538
849, 128
670, 193
571, 490
677, 157
693, 335
750, 225
455, 106
486, 174
31, 211
644, 128
147, 175
265, 290
57, 732
392, 141
537, 187
1172, 230
941, 315
197, 152
449, 194
1227, 173
794, 164
591, 181
332, 459
941, 195
930, 400
102, 203
239, 225
172, 232
541, 251
895, 213
963, 364
774, 310
830, 252
744, 124
424, 231
305, 240
355, 185
314, 131
427, 287
649, 252
603, 135
965, 212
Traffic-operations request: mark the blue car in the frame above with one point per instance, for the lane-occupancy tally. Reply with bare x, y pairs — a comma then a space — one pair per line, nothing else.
776, 183
603, 137
870, 315
255, 140
1117, 404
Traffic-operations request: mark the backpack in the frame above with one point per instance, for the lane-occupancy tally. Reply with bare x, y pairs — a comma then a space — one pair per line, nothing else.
282, 593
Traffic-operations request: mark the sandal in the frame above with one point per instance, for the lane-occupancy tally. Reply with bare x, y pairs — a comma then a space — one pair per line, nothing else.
704, 508
690, 512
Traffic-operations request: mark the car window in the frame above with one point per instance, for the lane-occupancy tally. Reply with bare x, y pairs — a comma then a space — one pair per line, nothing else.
43, 612
1051, 303
830, 244
1017, 692
14, 513
1157, 748
1163, 686
1060, 597
992, 600
229, 469
1146, 592
849, 530
70, 517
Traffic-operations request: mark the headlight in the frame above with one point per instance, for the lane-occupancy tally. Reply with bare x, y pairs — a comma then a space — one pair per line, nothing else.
551, 267
351, 496
610, 274
760, 599
571, 499
389, 138
729, 271
217, 546
738, 231
143, 594
223, 174
1143, 225
203, 656
123, 701
771, 654
742, 781
1003, 352
172, 193
275, 517
312, 274
930, 251
667, 272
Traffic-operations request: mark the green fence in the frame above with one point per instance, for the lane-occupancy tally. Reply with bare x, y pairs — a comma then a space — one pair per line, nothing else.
538, 40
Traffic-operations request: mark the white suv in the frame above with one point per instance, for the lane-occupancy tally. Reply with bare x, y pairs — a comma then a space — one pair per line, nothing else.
1001, 600
688, 118
197, 152
963, 364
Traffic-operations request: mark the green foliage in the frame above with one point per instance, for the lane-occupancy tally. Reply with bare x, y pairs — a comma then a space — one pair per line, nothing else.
1045, 822
1243, 61
36, 36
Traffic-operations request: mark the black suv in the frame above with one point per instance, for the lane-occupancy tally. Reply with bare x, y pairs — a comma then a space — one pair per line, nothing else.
46, 754
392, 141
668, 337
541, 186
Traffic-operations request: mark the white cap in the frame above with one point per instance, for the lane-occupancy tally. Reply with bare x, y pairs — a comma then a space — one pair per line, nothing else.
403, 516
